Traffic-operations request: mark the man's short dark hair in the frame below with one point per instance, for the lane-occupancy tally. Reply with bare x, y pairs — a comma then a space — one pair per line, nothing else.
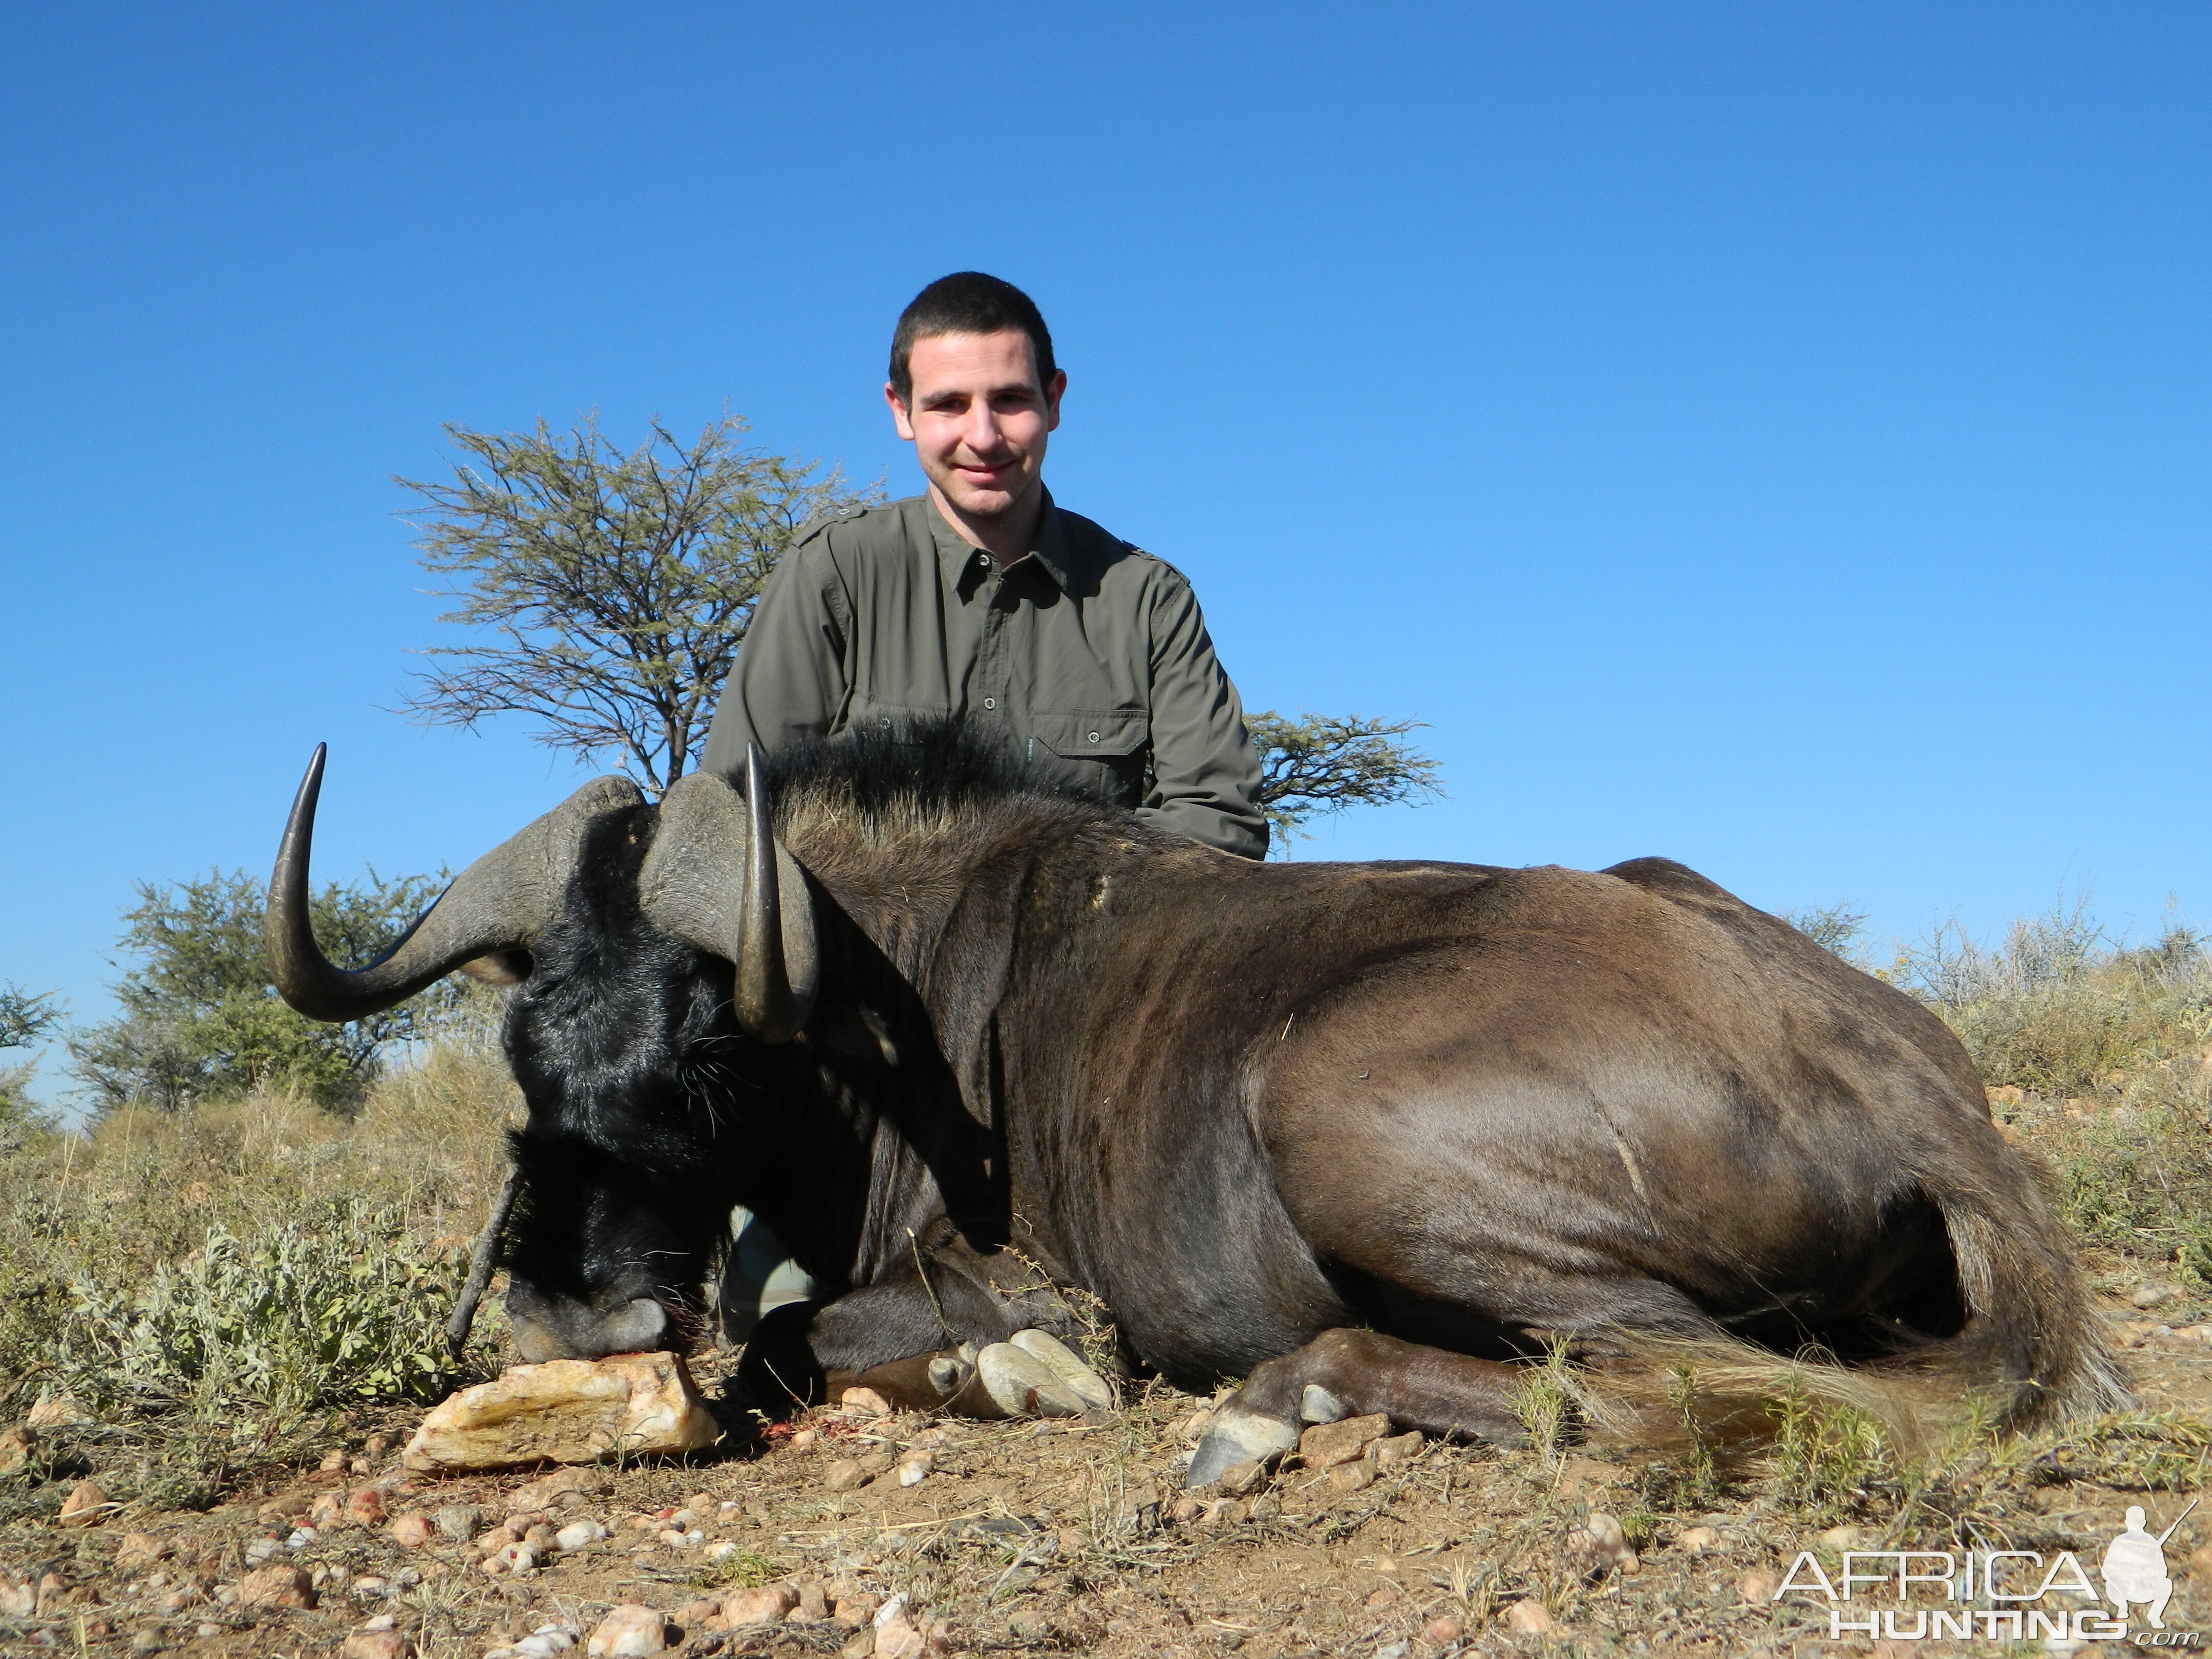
968, 302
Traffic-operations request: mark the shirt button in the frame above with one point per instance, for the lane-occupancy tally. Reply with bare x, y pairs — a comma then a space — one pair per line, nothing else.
1094, 737
990, 702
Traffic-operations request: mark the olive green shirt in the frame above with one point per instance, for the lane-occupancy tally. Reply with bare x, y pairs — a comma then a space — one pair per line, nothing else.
1088, 662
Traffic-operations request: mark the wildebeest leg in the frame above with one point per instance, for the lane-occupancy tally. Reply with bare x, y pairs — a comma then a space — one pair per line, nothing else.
1352, 1373
882, 1336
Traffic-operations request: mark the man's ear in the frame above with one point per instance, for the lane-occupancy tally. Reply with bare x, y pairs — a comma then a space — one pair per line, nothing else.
1052, 396
899, 417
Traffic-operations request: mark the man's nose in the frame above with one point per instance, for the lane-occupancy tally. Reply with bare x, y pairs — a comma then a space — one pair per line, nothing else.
982, 432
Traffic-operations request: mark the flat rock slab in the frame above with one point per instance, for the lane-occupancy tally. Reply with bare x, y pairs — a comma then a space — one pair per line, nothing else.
567, 1411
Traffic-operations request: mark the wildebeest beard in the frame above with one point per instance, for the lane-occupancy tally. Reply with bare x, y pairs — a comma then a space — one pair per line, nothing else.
1363, 1134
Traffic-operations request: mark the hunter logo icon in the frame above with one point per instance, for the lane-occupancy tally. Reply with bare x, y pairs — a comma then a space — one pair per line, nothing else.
1998, 1594
2135, 1568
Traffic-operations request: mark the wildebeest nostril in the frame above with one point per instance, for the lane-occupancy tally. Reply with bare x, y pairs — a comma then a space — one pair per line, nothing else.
642, 1324
558, 1328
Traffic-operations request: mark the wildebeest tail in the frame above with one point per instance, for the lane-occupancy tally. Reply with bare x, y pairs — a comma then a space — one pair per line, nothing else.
2031, 1350
2031, 1332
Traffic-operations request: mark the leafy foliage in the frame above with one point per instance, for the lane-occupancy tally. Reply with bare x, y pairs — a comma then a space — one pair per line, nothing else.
2058, 1008
24, 1019
1321, 763
616, 587
1838, 928
201, 1019
336, 1304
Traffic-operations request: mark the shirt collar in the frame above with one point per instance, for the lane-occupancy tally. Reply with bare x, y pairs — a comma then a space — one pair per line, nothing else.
1049, 543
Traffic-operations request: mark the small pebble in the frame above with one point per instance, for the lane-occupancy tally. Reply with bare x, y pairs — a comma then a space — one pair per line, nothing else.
460, 1522
845, 1474
628, 1632
85, 1506
763, 1606
365, 1508
1530, 1618
413, 1530
864, 1403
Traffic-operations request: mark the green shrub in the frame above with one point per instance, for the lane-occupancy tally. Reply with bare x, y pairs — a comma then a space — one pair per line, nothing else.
336, 1305
2059, 1010
201, 1020
1826, 1457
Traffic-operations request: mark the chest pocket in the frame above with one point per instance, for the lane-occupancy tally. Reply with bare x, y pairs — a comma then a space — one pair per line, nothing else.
1093, 735
1101, 752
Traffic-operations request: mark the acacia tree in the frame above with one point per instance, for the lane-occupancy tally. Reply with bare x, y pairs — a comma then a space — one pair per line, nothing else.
24, 1019
613, 588
1319, 763
201, 1020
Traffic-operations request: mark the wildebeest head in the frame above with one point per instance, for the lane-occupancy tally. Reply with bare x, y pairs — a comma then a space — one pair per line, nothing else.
645, 943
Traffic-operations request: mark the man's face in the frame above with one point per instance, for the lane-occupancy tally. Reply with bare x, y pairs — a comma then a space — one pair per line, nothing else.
979, 419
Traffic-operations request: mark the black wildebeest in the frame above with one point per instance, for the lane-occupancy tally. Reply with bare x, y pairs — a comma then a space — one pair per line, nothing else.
1361, 1134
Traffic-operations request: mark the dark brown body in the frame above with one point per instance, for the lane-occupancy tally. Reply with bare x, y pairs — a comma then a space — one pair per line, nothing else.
1466, 1107
1362, 1133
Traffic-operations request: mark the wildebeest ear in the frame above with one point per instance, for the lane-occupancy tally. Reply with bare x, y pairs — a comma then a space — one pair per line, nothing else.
501, 968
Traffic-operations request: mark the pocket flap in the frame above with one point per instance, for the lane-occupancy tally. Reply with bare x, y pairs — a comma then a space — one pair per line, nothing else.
1094, 734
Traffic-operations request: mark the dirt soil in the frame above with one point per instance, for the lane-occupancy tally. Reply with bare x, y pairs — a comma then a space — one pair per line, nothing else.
1067, 1536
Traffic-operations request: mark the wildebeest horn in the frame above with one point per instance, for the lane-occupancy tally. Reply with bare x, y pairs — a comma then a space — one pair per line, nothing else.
500, 902
763, 924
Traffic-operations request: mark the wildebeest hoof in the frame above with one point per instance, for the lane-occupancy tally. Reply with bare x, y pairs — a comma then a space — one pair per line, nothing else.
947, 1375
1236, 1436
1318, 1405
1022, 1385
1064, 1363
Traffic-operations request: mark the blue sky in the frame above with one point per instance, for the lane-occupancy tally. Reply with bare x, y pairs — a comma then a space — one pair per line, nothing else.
1770, 436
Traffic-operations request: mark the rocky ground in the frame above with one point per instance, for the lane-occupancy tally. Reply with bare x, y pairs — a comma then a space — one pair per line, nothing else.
852, 1533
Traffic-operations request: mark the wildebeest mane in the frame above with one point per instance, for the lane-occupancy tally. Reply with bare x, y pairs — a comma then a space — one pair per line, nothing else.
932, 763
920, 803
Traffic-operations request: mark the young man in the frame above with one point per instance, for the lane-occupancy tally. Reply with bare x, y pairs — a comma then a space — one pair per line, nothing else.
1080, 656
1074, 652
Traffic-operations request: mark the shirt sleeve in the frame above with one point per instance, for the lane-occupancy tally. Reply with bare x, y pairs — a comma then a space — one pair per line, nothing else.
791, 677
1205, 777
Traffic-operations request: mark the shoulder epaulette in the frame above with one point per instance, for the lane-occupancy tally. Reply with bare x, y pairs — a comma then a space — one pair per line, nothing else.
1136, 551
816, 526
